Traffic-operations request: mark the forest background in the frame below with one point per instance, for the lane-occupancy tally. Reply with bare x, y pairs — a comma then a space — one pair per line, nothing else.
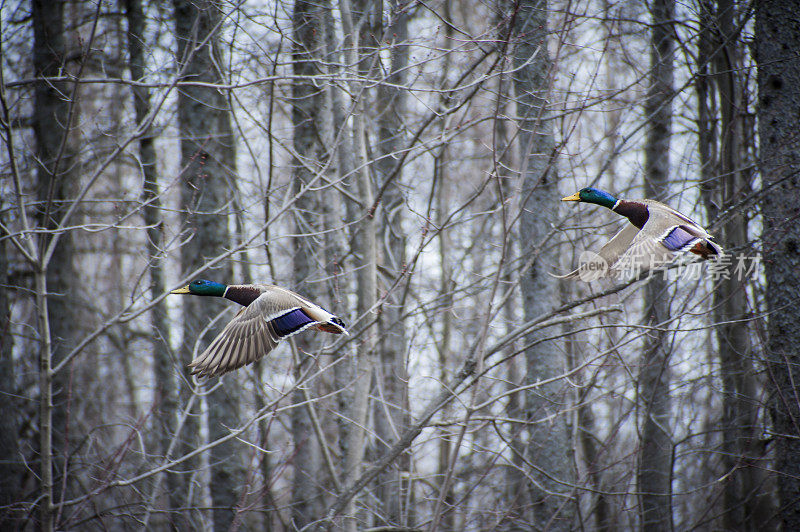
400, 163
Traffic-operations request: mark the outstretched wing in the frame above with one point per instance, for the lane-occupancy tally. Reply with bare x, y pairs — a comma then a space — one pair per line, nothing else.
253, 333
595, 265
649, 251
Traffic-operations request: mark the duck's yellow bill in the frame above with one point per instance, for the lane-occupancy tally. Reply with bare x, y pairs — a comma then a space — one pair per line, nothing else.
574, 197
184, 290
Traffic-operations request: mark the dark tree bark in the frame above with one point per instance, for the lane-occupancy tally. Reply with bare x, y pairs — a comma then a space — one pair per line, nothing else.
655, 452
308, 107
549, 446
56, 182
777, 37
166, 405
208, 159
725, 180
12, 467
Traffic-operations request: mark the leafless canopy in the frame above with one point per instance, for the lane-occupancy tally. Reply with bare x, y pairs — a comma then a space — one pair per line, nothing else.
400, 163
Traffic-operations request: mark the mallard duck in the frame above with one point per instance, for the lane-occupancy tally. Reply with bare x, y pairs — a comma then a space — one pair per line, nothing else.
655, 236
270, 314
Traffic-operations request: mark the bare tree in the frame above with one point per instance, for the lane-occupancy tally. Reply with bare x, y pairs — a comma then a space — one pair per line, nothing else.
548, 445
11, 466
380, 144
165, 401
365, 250
654, 473
308, 115
209, 168
53, 115
391, 381
442, 181
777, 33
723, 155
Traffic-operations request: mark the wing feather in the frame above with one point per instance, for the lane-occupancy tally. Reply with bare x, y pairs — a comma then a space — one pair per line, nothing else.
666, 235
253, 332
240, 349
232, 346
609, 254
649, 251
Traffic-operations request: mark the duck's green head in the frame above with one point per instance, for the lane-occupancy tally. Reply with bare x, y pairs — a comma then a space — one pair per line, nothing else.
592, 195
201, 287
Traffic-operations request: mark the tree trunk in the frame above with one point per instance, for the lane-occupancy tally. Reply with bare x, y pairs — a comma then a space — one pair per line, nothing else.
55, 287
549, 444
655, 447
208, 159
515, 492
344, 153
446, 288
365, 248
11, 464
442, 182
599, 508
392, 408
746, 503
166, 405
308, 103
777, 34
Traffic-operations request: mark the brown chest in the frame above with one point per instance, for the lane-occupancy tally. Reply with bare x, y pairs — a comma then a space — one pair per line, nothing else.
634, 211
242, 294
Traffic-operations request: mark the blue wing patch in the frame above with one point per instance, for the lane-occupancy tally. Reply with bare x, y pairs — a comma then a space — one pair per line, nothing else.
291, 322
678, 238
